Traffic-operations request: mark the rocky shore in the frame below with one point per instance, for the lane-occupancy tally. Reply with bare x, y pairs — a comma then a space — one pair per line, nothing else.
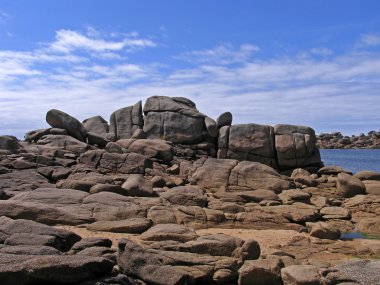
337, 140
166, 195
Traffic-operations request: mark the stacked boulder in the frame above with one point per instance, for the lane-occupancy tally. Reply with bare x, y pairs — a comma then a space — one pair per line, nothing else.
191, 133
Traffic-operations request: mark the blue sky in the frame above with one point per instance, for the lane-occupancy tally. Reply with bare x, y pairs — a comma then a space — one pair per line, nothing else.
313, 63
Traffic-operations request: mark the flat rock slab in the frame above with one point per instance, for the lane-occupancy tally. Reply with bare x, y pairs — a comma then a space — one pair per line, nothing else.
132, 226
169, 232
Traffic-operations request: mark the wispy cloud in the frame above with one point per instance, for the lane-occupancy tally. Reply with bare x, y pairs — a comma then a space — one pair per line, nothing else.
68, 41
370, 40
222, 54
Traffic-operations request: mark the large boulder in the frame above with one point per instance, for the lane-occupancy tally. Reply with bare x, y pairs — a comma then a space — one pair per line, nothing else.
348, 186
296, 146
301, 275
9, 144
125, 121
63, 142
252, 142
51, 269
174, 119
59, 119
150, 148
151, 267
232, 175
186, 196
96, 125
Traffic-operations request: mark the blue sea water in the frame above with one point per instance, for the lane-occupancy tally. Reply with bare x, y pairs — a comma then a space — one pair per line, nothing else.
352, 159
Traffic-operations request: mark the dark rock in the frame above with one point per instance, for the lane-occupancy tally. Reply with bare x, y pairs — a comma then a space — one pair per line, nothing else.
296, 147
10, 144
252, 142
59, 119
212, 127
224, 119
51, 269
173, 119
150, 267
96, 125
30, 250
61, 239
34, 136
91, 242
124, 122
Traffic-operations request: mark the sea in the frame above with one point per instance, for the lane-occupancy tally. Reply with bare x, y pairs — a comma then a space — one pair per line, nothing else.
353, 160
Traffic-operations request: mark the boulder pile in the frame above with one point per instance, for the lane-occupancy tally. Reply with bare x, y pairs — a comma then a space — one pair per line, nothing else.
166, 195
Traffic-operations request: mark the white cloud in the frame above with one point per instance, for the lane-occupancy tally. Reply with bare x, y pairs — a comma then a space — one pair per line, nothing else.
334, 93
222, 54
370, 40
68, 41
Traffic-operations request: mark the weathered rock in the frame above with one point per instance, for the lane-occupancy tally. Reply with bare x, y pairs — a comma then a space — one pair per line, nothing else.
332, 170
34, 136
173, 119
299, 172
97, 139
152, 148
216, 244
224, 119
59, 119
124, 122
63, 142
252, 142
132, 226
107, 188
368, 175
139, 134
296, 147
335, 213
355, 272
91, 242
226, 174
150, 267
137, 185
158, 182
349, 186
256, 176
26, 232
30, 250
369, 225
372, 187
223, 139
261, 271
211, 127
162, 215
323, 230
10, 144
294, 195
129, 163
186, 195
96, 125
174, 232
300, 275
58, 131
51, 269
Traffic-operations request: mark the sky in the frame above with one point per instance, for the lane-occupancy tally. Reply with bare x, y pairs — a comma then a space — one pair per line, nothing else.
309, 62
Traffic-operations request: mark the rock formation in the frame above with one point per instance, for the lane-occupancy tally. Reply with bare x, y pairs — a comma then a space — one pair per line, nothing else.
176, 197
